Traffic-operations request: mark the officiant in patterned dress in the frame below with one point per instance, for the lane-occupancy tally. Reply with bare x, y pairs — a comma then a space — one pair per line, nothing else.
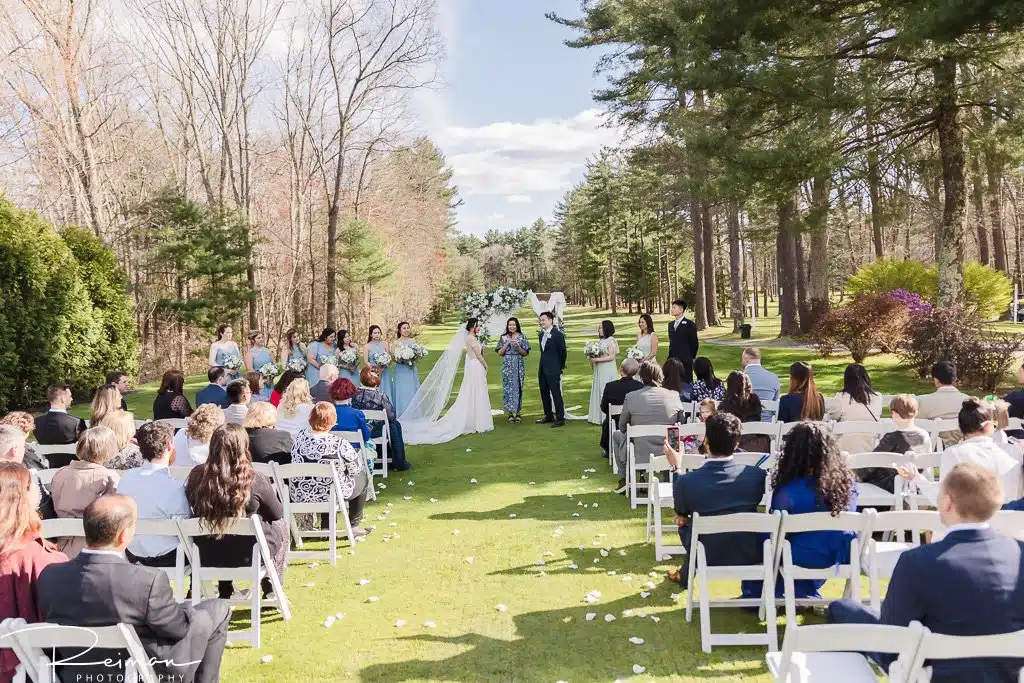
513, 347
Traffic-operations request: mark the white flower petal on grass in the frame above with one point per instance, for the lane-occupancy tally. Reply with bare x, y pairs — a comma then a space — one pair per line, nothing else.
644, 594
267, 659
329, 622
512, 516
575, 514
584, 477
363, 582
604, 553
609, 618
314, 564
455, 532
591, 616
592, 596
308, 585
568, 495
651, 585
433, 500
595, 543
627, 578
655, 619
597, 560
407, 497
623, 553
675, 596
653, 575
549, 554
469, 560
393, 524
500, 607
411, 483
636, 641
611, 572
532, 483
627, 612
390, 505
339, 616
594, 505
382, 485
637, 669
386, 539
472, 481
429, 624
539, 563
400, 623
574, 566
372, 598
579, 504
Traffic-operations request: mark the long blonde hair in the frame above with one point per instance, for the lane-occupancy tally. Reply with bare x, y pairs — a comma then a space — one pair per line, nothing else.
123, 425
295, 395
18, 516
106, 402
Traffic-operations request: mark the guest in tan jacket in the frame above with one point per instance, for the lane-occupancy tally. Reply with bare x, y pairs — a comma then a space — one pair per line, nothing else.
77, 485
945, 402
857, 402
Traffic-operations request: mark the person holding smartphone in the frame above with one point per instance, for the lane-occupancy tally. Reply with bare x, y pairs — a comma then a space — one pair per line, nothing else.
721, 486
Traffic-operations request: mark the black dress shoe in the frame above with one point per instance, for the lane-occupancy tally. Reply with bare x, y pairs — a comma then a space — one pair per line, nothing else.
545, 420
558, 423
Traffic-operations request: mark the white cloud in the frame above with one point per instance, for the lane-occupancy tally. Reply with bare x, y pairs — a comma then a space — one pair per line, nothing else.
519, 199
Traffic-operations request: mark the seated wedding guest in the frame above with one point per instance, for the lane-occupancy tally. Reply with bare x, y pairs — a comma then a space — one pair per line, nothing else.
266, 444
170, 402
240, 396
650, 405
349, 419
705, 410
906, 437
255, 381
803, 402
23, 553
857, 402
967, 584
811, 476
283, 382
976, 422
1016, 400
119, 380
56, 427
944, 403
156, 493
615, 393
370, 397
675, 379
321, 391
192, 444
1001, 435
225, 488
214, 392
316, 444
77, 485
12, 444
296, 404
26, 423
706, 384
128, 455
741, 401
721, 486
106, 401
101, 588
764, 382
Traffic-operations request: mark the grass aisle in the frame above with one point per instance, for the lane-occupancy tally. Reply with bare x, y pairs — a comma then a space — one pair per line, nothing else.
422, 575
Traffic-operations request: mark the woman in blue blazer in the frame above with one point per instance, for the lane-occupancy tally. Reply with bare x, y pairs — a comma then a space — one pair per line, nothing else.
342, 392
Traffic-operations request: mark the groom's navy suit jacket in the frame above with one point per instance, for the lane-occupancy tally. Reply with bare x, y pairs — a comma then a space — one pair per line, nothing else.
554, 354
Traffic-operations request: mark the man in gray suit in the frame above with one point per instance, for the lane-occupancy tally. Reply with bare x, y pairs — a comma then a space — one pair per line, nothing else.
764, 383
321, 391
100, 588
650, 405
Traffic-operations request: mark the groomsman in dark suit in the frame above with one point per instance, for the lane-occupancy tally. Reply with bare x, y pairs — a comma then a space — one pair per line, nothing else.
56, 427
682, 338
552, 362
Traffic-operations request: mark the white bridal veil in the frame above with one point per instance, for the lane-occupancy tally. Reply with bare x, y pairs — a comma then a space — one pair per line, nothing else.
432, 396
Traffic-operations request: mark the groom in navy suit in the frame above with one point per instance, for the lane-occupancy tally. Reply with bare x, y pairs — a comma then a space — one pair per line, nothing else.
552, 362
682, 339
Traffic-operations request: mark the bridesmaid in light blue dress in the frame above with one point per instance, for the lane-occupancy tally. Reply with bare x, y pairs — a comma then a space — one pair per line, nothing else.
323, 346
376, 344
221, 349
349, 372
406, 377
292, 349
258, 356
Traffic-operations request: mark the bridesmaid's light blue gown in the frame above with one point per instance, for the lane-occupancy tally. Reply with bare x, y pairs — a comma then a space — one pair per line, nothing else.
351, 375
222, 354
387, 382
293, 352
406, 382
261, 357
319, 349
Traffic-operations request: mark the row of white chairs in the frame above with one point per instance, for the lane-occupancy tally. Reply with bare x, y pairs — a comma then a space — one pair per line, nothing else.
832, 652
872, 558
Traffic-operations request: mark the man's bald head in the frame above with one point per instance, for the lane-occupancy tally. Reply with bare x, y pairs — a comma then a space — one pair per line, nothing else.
630, 367
109, 522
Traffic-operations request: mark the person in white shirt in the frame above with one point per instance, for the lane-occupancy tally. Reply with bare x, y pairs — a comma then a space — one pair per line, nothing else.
192, 444
239, 394
156, 493
976, 420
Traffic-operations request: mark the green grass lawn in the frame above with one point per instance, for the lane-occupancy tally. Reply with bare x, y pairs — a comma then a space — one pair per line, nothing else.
537, 474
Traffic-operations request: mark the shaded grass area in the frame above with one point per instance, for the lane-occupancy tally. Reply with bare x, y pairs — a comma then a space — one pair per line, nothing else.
537, 474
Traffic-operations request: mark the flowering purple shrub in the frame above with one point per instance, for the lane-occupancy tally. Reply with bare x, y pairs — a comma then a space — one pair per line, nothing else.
914, 302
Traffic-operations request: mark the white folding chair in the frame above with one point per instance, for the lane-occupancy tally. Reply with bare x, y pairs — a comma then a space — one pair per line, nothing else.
830, 653
330, 507
871, 495
262, 566
699, 576
180, 571
613, 414
936, 428
819, 521
384, 440
45, 477
355, 439
7, 641
62, 526
66, 452
770, 407
877, 428
34, 640
176, 422
634, 432
939, 647
139, 423
769, 429
661, 496
879, 557
929, 464
1015, 424
1009, 523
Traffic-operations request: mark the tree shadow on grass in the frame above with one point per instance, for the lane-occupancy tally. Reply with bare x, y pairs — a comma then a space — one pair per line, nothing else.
636, 561
561, 645
551, 509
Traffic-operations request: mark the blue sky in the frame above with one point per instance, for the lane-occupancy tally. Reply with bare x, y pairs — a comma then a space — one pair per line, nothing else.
513, 113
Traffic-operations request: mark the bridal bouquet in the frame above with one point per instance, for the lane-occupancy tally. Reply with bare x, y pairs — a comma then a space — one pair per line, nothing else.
636, 353
232, 361
269, 372
348, 357
593, 350
296, 365
410, 354
326, 358
381, 360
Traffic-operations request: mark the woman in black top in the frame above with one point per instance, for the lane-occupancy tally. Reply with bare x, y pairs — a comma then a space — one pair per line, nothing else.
267, 444
170, 402
225, 488
741, 401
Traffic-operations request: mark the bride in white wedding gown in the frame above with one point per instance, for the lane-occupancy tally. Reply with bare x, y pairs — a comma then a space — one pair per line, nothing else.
422, 422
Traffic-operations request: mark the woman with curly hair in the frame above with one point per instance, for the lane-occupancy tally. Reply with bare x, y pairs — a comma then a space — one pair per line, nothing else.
192, 444
811, 476
227, 487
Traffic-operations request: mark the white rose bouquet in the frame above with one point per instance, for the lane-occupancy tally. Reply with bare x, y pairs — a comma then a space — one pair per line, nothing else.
269, 372
232, 361
326, 358
410, 354
636, 353
593, 350
348, 357
296, 364
381, 360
